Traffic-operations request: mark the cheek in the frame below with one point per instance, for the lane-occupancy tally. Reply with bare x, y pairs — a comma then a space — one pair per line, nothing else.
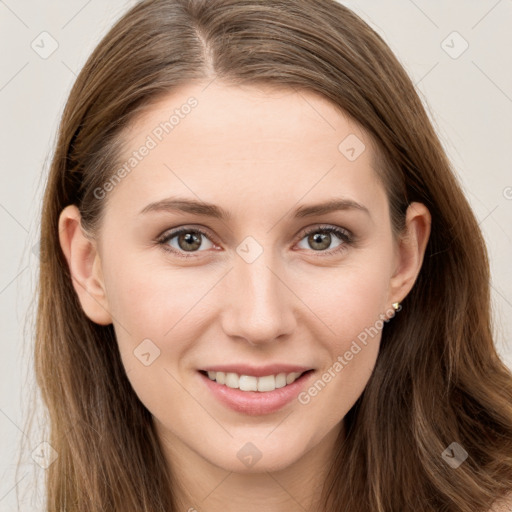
349, 300
148, 298
152, 315
351, 303
159, 316
352, 311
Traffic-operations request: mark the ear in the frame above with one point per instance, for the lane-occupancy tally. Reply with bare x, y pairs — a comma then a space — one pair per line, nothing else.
410, 251
84, 265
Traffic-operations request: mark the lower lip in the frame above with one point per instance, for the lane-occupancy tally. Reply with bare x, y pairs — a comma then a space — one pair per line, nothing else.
257, 403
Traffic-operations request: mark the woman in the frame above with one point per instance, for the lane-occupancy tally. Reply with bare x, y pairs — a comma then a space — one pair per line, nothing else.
263, 287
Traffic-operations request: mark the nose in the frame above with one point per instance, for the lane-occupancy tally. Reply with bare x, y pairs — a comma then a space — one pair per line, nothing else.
258, 305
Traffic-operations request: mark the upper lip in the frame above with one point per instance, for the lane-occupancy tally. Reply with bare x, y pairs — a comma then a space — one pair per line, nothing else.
257, 371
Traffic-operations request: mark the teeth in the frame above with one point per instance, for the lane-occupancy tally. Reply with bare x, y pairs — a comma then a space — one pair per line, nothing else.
266, 383
281, 380
251, 383
232, 380
246, 382
290, 378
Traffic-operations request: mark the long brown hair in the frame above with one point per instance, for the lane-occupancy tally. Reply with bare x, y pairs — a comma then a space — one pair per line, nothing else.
438, 378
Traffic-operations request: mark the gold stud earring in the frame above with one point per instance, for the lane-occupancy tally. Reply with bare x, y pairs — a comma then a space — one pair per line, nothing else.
396, 305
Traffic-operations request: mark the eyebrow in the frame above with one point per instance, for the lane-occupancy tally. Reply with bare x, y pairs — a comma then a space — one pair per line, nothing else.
212, 210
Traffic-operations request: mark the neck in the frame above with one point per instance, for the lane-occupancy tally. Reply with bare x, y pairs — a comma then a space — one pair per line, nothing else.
200, 485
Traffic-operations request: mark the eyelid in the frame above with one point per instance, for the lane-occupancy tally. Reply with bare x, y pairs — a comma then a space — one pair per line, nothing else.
342, 233
323, 227
173, 232
345, 235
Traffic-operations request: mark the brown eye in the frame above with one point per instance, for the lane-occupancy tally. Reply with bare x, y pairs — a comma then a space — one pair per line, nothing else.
189, 241
319, 239
185, 240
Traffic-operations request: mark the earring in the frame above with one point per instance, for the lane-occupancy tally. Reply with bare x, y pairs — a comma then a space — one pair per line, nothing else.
396, 305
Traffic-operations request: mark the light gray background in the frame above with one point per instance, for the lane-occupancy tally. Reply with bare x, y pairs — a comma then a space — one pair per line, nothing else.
469, 99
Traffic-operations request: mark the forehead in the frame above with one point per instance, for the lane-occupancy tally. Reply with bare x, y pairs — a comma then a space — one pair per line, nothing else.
244, 120
259, 144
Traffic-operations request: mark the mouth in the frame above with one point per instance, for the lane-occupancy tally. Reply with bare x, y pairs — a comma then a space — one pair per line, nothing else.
252, 383
255, 389
252, 395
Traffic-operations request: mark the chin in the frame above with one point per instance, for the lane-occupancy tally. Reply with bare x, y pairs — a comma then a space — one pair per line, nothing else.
258, 454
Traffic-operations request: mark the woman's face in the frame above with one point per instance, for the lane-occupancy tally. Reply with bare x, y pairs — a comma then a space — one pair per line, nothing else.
265, 289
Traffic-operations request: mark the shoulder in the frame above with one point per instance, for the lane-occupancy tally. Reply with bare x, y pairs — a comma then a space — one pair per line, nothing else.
503, 505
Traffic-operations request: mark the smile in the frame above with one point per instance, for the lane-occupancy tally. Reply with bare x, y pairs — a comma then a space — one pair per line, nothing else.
263, 384
251, 395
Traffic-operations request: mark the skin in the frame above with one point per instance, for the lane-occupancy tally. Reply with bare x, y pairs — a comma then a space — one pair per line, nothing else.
259, 153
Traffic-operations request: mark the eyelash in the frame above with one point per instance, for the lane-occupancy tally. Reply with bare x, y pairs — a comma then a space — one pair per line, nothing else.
343, 234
